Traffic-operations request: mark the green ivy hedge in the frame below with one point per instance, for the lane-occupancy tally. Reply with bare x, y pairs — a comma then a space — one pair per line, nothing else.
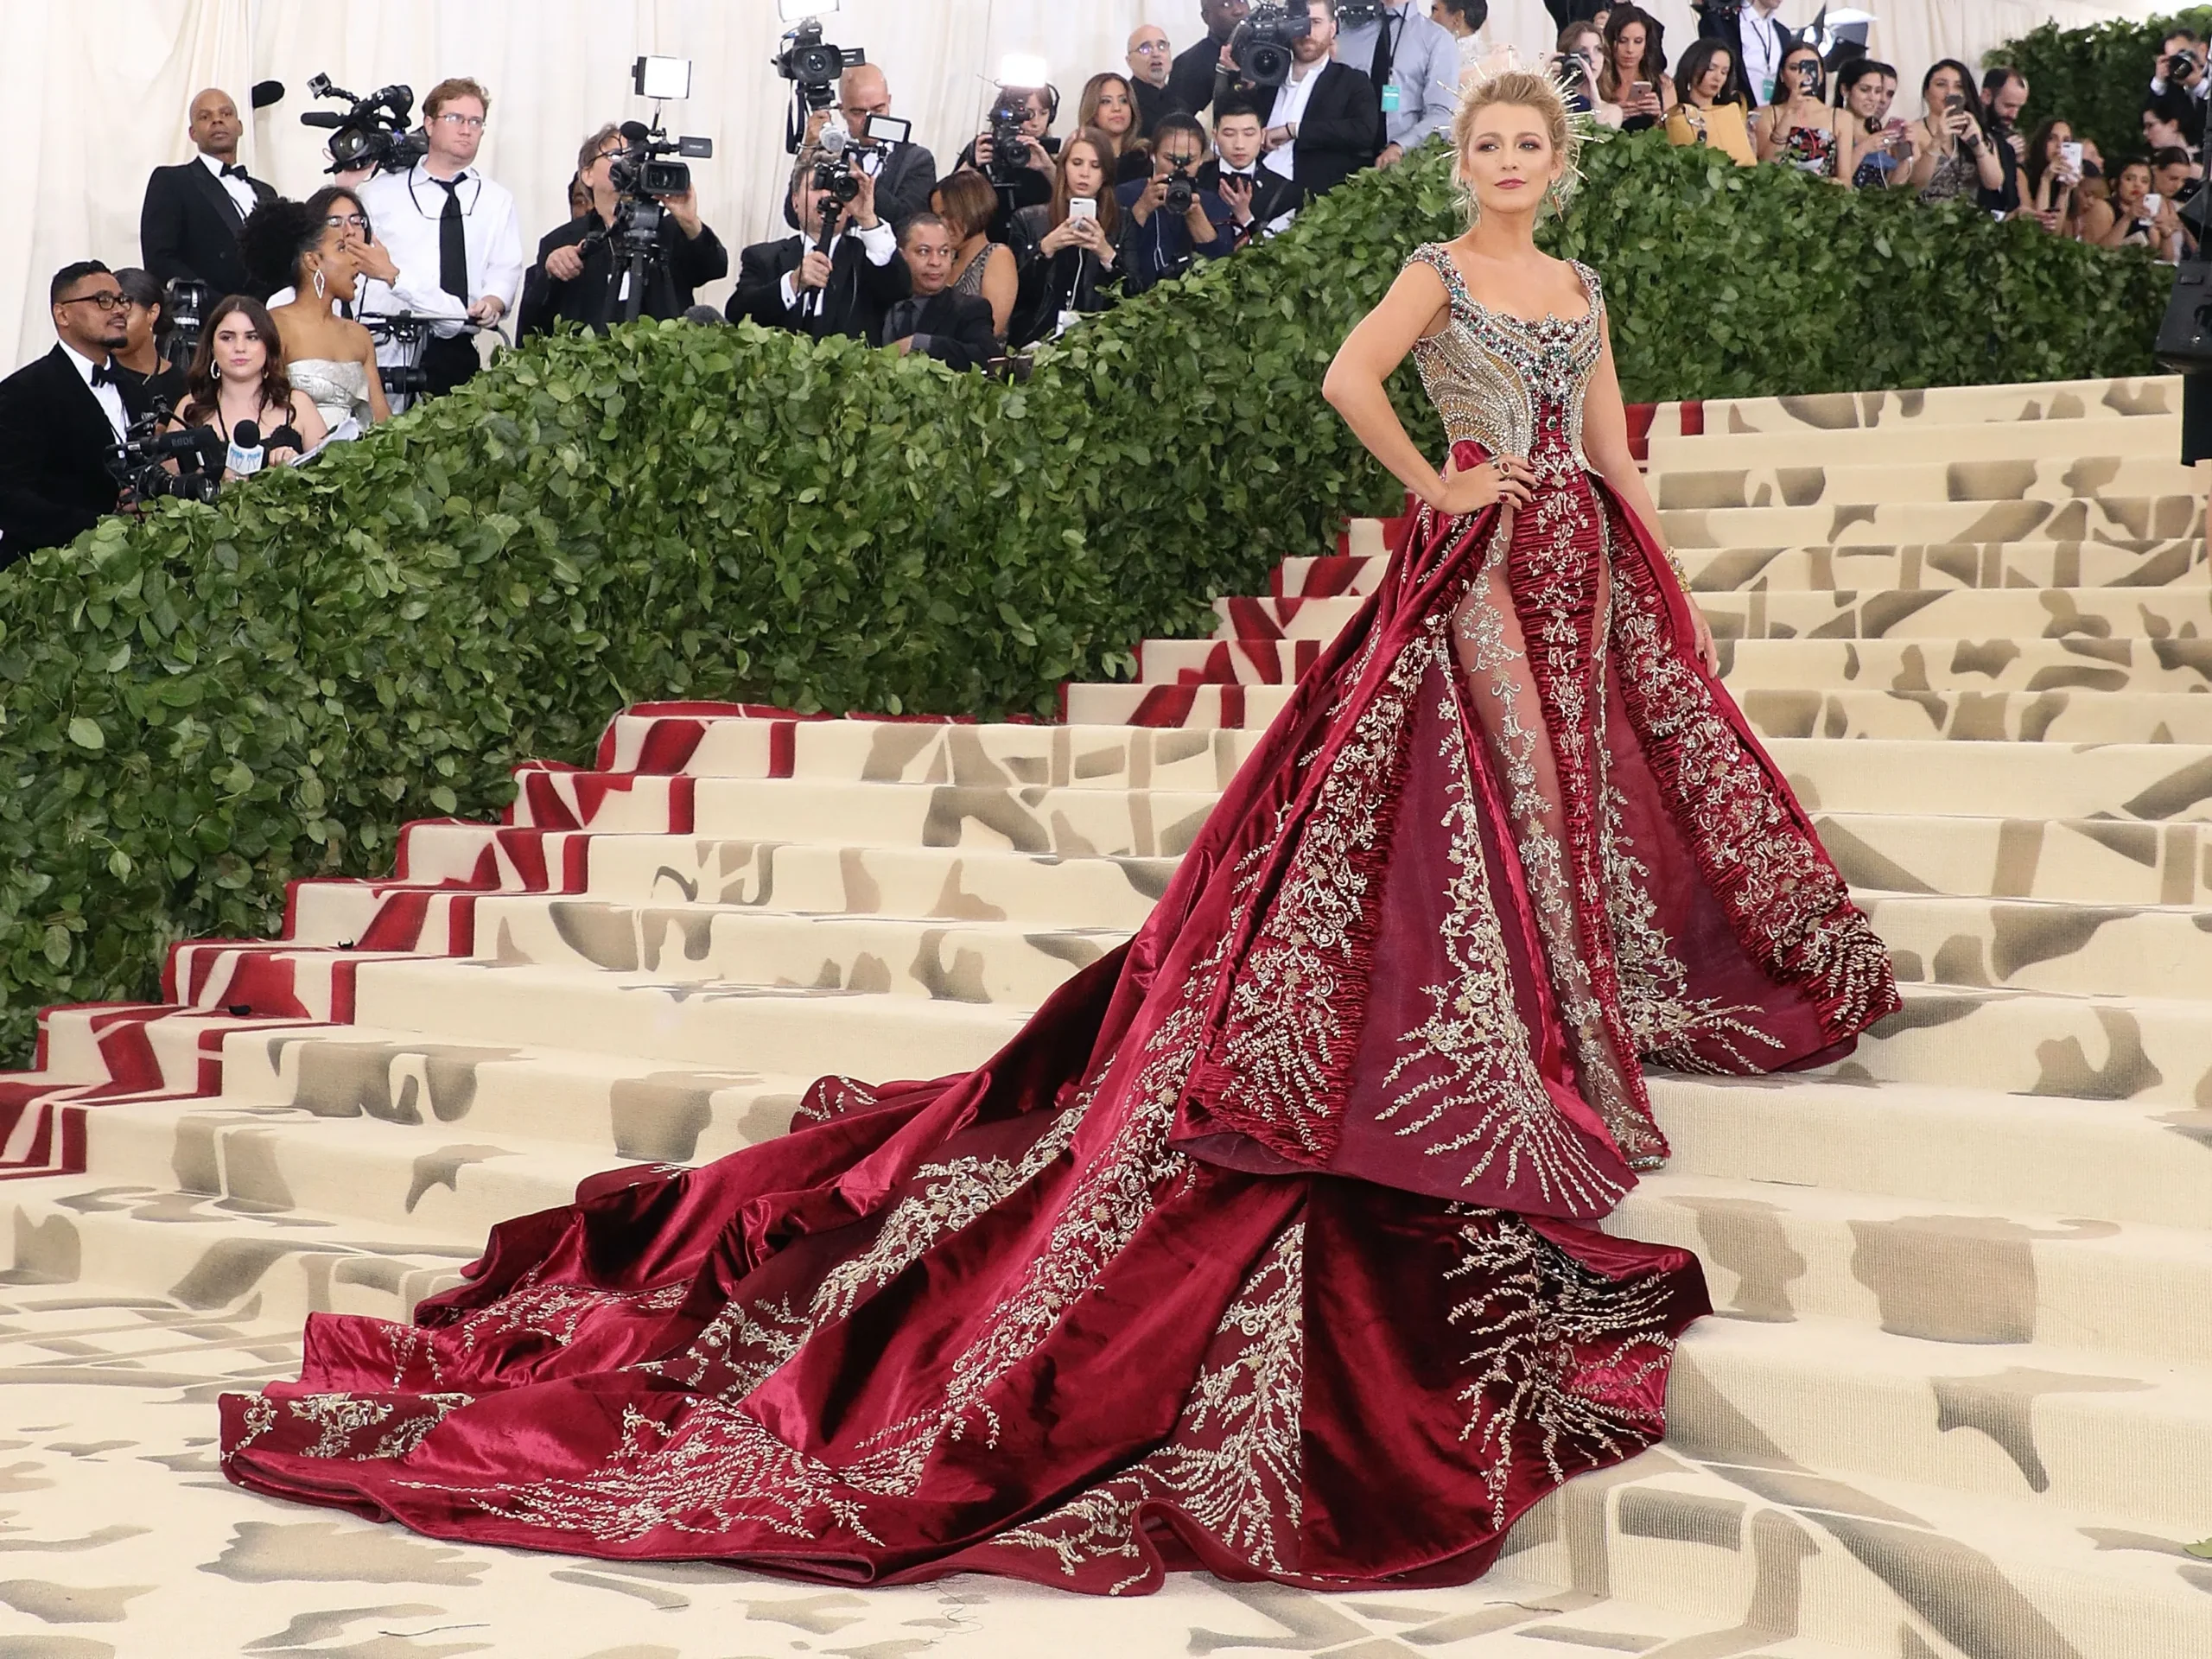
2097, 77
197, 707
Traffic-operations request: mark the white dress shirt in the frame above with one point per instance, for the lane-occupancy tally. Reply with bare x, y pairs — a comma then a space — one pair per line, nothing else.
1291, 98
240, 192
879, 241
405, 209
108, 397
1763, 51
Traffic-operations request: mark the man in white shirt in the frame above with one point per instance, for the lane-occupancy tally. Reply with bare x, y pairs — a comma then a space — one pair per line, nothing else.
1325, 122
1414, 64
62, 416
449, 245
188, 224
1757, 39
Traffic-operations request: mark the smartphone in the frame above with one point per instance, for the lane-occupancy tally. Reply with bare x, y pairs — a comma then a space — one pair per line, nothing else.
1639, 88
2070, 157
1954, 103
1081, 207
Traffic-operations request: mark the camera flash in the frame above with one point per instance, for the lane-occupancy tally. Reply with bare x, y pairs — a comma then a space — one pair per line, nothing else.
658, 78
1017, 69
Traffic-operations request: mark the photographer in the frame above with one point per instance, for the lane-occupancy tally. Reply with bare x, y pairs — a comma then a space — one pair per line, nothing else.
903, 173
2180, 86
188, 227
1955, 153
579, 274
846, 288
1325, 120
1581, 50
1413, 62
936, 319
62, 417
1882, 144
1030, 183
449, 234
1202, 70
1260, 200
2004, 93
1071, 250
1172, 220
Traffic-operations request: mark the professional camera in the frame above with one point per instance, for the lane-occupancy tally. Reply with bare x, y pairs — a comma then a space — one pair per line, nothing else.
1009, 144
139, 463
373, 132
1260, 46
1720, 11
408, 331
812, 66
2183, 67
1182, 191
184, 307
833, 165
642, 172
1350, 14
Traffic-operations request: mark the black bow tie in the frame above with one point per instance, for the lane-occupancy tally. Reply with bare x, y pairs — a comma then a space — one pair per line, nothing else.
235, 171
104, 374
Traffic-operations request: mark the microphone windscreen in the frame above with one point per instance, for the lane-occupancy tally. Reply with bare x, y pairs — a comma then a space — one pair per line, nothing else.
266, 92
832, 143
246, 434
704, 316
636, 132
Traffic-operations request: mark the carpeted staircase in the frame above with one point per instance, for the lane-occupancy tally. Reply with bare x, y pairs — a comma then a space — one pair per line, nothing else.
1959, 1398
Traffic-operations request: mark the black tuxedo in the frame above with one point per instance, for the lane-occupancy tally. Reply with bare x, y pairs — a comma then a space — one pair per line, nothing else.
1152, 102
591, 298
859, 292
1338, 133
954, 329
1191, 79
1272, 196
54, 445
189, 230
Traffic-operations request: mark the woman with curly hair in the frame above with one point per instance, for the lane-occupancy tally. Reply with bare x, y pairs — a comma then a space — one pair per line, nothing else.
312, 248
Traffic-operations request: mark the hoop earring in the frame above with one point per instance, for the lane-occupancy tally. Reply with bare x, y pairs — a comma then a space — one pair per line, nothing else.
320, 287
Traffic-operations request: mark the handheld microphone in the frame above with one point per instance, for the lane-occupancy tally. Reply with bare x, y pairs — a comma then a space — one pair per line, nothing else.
245, 453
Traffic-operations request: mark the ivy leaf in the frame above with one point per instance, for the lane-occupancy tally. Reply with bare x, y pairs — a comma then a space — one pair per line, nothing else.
85, 732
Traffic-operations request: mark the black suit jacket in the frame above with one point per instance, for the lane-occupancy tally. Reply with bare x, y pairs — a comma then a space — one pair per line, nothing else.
1337, 135
54, 445
1190, 78
591, 297
1730, 34
902, 188
189, 230
954, 329
859, 293
1272, 196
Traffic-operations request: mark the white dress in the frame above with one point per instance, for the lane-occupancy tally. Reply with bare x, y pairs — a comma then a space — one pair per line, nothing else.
340, 392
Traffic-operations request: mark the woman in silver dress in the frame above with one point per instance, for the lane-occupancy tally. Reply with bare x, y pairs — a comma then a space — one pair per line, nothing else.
313, 247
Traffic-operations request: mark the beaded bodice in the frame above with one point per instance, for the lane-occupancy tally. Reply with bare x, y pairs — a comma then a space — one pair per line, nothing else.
1512, 385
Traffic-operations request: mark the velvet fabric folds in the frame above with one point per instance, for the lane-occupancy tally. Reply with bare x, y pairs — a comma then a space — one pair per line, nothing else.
1268, 1246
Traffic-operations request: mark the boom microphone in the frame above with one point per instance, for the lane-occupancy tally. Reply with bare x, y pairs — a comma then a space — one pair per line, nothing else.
635, 132
266, 92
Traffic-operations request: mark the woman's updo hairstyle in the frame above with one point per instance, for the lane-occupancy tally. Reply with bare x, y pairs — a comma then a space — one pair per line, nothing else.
277, 236
1526, 89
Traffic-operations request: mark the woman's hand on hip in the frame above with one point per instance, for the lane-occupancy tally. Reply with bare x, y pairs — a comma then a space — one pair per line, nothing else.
1506, 480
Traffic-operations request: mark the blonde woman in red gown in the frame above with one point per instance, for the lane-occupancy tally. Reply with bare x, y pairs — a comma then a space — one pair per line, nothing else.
1269, 1247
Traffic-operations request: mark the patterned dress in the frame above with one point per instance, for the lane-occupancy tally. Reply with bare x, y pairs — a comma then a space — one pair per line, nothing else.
1266, 1247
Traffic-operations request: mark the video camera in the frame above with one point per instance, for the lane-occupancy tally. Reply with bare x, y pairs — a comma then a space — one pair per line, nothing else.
811, 64
373, 132
642, 173
1009, 145
184, 310
140, 463
1260, 47
408, 331
1352, 13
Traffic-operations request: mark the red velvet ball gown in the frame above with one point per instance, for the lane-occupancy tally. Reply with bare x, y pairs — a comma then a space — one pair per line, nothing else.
1265, 1247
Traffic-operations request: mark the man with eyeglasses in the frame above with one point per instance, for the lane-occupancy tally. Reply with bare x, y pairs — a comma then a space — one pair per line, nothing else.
1163, 242
62, 417
452, 235
188, 226
1150, 59
579, 277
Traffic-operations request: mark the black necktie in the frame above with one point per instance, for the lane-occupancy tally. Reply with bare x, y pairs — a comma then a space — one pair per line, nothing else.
453, 244
104, 374
900, 323
1385, 53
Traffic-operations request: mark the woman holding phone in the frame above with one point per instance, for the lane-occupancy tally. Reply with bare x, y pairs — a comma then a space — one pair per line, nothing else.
1069, 247
1581, 50
1634, 73
1882, 144
1800, 129
1957, 157
2054, 173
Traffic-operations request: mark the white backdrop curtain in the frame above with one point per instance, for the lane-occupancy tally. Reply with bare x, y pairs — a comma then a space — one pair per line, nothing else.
98, 89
